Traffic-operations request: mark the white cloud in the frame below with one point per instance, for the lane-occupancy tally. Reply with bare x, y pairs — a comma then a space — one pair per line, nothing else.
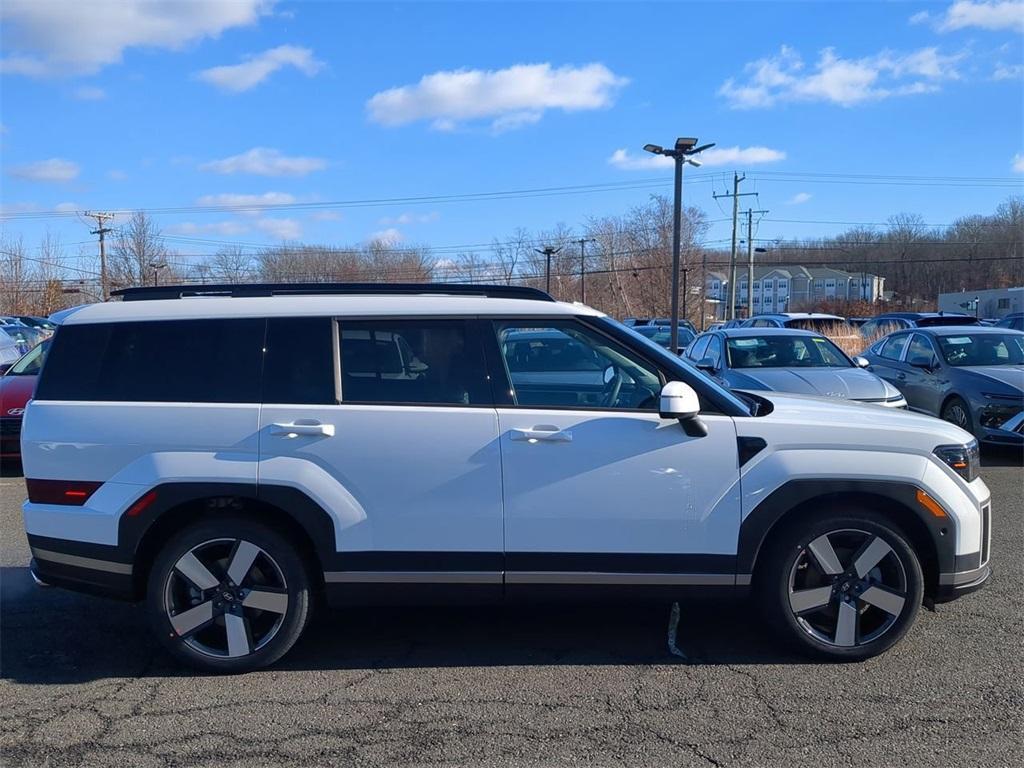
964, 14
921, 17
253, 204
261, 161
90, 93
67, 207
71, 37
224, 228
53, 170
326, 216
404, 219
117, 175
716, 156
255, 69
784, 77
1008, 72
509, 98
390, 235
280, 229
1018, 163
799, 198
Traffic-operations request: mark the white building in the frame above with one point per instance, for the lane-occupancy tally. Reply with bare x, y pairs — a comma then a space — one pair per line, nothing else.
992, 302
778, 289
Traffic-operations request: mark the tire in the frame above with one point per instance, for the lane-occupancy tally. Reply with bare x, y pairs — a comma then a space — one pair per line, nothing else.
844, 586
956, 411
228, 595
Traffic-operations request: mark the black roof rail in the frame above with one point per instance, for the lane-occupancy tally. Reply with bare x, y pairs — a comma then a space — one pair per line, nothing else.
331, 289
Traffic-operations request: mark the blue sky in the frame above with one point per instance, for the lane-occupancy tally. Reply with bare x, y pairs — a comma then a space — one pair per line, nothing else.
117, 105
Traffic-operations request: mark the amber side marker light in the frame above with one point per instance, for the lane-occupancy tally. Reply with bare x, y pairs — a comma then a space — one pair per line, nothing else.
140, 506
930, 504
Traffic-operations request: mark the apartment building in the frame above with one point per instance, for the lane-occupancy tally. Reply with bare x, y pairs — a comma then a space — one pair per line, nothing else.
789, 289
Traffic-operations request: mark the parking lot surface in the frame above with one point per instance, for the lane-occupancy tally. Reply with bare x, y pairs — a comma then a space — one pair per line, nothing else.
83, 683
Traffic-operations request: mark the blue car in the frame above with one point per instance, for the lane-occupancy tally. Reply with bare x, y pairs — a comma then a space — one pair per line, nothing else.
972, 376
788, 360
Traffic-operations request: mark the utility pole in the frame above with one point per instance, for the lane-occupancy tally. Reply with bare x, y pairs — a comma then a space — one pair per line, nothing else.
583, 268
548, 251
750, 260
682, 154
101, 231
736, 179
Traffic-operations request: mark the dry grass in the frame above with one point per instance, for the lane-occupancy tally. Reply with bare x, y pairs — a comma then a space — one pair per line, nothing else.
850, 340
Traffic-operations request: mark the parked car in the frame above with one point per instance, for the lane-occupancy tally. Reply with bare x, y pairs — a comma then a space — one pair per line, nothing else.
1014, 321
637, 322
16, 388
277, 465
25, 337
970, 376
37, 322
894, 321
786, 360
662, 334
9, 351
806, 321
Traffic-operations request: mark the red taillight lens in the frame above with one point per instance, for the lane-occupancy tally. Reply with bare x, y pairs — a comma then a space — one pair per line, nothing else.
72, 492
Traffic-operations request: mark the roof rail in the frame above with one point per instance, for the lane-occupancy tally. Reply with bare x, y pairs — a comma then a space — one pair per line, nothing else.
237, 290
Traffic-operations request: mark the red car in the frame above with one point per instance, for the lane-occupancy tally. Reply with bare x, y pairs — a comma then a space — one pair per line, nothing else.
16, 388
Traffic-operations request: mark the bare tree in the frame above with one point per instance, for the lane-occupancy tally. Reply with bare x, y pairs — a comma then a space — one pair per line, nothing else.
231, 265
136, 247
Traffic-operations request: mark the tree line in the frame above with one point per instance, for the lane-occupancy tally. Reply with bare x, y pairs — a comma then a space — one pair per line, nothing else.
623, 264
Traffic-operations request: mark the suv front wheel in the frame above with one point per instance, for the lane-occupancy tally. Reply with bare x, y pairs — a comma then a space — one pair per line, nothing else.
845, 586
228, 595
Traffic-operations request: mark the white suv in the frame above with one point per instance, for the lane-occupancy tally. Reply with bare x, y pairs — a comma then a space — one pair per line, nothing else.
226, 457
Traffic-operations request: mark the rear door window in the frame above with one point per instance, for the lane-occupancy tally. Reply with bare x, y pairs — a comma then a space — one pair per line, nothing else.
412, 362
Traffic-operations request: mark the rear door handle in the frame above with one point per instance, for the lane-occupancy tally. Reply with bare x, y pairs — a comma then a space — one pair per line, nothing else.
294, 430
545, 433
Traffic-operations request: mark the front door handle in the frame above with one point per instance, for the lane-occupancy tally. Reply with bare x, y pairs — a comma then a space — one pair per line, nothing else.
542, 433
294, 430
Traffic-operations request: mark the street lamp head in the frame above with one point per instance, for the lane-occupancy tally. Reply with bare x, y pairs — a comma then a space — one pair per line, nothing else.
694, 163
701, 148
653, 149
685, 144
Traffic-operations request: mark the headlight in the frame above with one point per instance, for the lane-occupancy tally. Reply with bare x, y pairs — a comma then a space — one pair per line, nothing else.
962, 459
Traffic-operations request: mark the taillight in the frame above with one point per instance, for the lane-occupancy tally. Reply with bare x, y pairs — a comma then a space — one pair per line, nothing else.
71, 492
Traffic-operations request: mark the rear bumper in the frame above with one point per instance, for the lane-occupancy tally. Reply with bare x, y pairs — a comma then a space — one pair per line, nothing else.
81, 567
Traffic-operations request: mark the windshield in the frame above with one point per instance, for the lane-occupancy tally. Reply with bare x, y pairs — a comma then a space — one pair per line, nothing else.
662, 334
983, 349
32, 363
785, 352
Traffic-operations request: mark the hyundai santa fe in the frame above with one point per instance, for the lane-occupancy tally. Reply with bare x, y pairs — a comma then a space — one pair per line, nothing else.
413, 443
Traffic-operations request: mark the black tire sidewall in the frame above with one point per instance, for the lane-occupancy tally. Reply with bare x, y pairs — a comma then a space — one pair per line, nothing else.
278, 546
956, 399
773, 587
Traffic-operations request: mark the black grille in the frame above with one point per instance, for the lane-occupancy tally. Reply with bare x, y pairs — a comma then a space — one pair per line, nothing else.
10, 427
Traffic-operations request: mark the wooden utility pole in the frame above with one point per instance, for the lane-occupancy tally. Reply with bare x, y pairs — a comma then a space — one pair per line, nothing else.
750, 261
101, 231
583, 268
736, 179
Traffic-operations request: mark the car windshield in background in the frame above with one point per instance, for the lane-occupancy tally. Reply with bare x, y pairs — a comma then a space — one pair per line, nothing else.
784, 352
662, 335
983, 349
931, 322
32, 363
820, 325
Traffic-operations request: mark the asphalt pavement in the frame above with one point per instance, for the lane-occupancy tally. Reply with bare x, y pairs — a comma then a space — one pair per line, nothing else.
84, 684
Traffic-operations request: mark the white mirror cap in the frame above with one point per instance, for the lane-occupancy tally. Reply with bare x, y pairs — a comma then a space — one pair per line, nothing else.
678, 400
861, 362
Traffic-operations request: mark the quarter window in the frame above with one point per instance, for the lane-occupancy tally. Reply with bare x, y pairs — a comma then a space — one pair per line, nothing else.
408, 362
568, 365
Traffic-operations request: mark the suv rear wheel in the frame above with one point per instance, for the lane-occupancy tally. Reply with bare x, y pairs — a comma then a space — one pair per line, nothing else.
845, 586
228, 595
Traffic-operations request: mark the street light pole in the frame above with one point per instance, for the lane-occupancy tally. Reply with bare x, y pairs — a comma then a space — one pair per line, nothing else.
547, 250
681, 154
583, 268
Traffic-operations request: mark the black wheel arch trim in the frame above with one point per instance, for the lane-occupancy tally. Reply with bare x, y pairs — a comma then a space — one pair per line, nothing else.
938, 533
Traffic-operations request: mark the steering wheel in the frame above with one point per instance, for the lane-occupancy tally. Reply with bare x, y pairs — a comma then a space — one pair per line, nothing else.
612, 388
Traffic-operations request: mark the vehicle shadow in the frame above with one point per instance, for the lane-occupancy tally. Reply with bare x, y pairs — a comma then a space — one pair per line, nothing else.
56, 637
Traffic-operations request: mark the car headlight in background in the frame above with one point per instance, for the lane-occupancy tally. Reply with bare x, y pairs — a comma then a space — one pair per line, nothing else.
962, 459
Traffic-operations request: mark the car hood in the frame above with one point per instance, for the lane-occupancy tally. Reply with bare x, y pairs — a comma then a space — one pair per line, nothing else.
1010, 375
807, 420
15, 392
843, 383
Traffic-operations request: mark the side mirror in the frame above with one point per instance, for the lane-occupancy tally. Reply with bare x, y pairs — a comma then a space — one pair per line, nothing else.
861, 362
679, 401
707, 364
925, 363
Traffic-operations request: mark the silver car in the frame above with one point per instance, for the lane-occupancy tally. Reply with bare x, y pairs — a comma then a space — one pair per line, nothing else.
788, 360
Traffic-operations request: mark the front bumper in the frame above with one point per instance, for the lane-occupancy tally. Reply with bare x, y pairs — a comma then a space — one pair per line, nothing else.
1000, 423
954, 585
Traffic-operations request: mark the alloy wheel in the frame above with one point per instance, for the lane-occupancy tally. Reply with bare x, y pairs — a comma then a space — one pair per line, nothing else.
958, 415
226, 598
847, 588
